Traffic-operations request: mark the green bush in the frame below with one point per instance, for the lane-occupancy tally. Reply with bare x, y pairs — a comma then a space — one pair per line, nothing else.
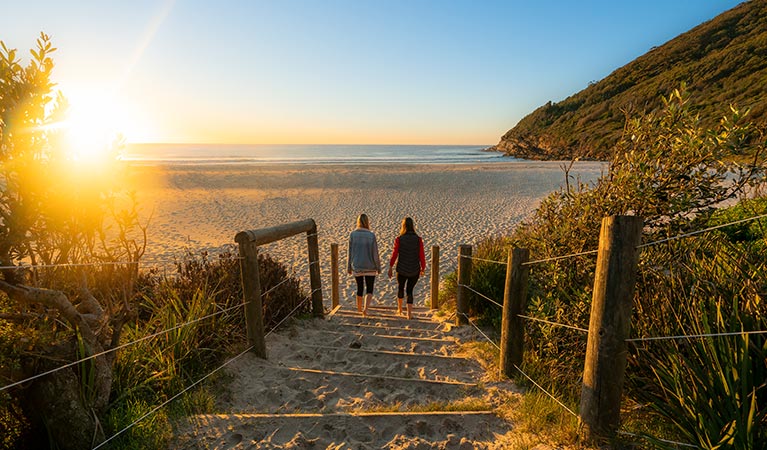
675, 174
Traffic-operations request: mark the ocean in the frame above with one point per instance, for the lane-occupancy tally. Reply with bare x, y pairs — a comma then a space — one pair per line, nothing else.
217, 154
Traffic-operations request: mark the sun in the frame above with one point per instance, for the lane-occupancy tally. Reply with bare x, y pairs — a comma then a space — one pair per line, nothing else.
95, 121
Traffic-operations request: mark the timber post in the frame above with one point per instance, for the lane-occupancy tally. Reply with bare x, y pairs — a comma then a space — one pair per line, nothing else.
314, 270
248, 242
514, 303
609, 325
251, 286
434, 297
464, 278
334, 294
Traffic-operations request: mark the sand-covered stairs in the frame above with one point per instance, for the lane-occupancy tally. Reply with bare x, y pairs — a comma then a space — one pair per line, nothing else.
350, 382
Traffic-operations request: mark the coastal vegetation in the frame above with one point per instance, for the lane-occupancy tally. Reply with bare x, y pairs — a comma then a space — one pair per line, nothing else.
679, 176
722, 61
113, 339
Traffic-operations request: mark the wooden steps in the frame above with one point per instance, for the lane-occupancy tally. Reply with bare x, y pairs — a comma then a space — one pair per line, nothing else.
347, 382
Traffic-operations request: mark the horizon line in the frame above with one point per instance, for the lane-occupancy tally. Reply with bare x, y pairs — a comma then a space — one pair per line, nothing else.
285, 144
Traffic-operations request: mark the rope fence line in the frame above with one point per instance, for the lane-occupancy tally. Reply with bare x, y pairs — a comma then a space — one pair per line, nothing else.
291, 312
590, 252
45, 266
557, 258
545, 391
681, 444
693, 233
159, 333
276, 286
119, 347
481, 259
150, 263
694, 336
535, 319
517, 367
481, 295
480, 331
173, 398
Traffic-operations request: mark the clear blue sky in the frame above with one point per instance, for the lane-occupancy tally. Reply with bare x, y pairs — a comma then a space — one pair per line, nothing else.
338, 71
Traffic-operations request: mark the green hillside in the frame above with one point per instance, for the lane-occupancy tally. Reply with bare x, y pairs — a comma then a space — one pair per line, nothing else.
723, 62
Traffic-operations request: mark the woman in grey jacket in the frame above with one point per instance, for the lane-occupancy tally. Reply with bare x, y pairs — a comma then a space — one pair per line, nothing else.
363, 261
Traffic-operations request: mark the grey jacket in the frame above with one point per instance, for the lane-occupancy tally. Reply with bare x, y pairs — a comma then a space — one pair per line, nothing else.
363, 252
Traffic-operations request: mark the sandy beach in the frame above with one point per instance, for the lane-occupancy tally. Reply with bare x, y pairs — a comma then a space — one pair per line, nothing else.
349, 382
202, 207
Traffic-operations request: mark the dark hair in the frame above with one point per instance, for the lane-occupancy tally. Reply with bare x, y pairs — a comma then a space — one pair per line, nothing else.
407, 226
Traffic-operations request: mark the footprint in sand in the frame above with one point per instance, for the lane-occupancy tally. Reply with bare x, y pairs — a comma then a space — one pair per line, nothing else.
232, 439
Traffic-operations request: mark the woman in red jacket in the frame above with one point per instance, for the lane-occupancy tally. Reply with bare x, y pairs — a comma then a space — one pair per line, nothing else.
411, 263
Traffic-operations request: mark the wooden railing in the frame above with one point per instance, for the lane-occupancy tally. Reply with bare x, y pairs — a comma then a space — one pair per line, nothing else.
248, 242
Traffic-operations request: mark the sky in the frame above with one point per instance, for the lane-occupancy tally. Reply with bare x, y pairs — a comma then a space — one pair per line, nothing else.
438, 72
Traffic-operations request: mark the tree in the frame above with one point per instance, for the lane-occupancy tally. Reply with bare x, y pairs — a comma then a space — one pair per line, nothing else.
60, 230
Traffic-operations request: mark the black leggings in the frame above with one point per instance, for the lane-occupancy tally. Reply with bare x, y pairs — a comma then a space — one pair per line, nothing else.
406, 284
368, 284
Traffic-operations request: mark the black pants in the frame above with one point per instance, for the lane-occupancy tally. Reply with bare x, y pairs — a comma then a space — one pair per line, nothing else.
367, 284
406, 284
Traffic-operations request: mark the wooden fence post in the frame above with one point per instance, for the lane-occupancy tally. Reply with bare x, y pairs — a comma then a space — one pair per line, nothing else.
434, 300
251, 282
334, 294
314, 271
514, 303
610, 325
464, 278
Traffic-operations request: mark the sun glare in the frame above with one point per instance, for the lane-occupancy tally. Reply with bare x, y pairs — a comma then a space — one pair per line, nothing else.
94, 122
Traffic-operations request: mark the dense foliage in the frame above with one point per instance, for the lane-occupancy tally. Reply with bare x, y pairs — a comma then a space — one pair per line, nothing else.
723, 62
71, 288
53, 212
674, 172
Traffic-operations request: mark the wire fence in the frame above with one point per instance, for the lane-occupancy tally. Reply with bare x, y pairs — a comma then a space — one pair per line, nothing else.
584, 330
120, 347
468, 319
157, 408
705, 230
481, 295
150, 336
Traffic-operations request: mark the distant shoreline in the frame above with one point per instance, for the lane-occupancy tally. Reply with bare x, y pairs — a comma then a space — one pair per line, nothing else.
216, 154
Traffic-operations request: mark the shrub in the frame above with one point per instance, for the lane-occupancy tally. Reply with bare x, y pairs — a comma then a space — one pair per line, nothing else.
675, 174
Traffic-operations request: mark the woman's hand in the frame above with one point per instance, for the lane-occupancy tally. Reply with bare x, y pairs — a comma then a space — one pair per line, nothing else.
390, 272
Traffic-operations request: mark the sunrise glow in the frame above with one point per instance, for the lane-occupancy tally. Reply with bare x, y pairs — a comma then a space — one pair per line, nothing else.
95, 122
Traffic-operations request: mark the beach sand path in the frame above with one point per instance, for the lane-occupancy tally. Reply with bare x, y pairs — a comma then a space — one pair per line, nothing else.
350, 382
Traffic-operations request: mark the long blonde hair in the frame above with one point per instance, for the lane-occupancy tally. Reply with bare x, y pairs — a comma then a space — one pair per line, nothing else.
407, 225
363, 221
